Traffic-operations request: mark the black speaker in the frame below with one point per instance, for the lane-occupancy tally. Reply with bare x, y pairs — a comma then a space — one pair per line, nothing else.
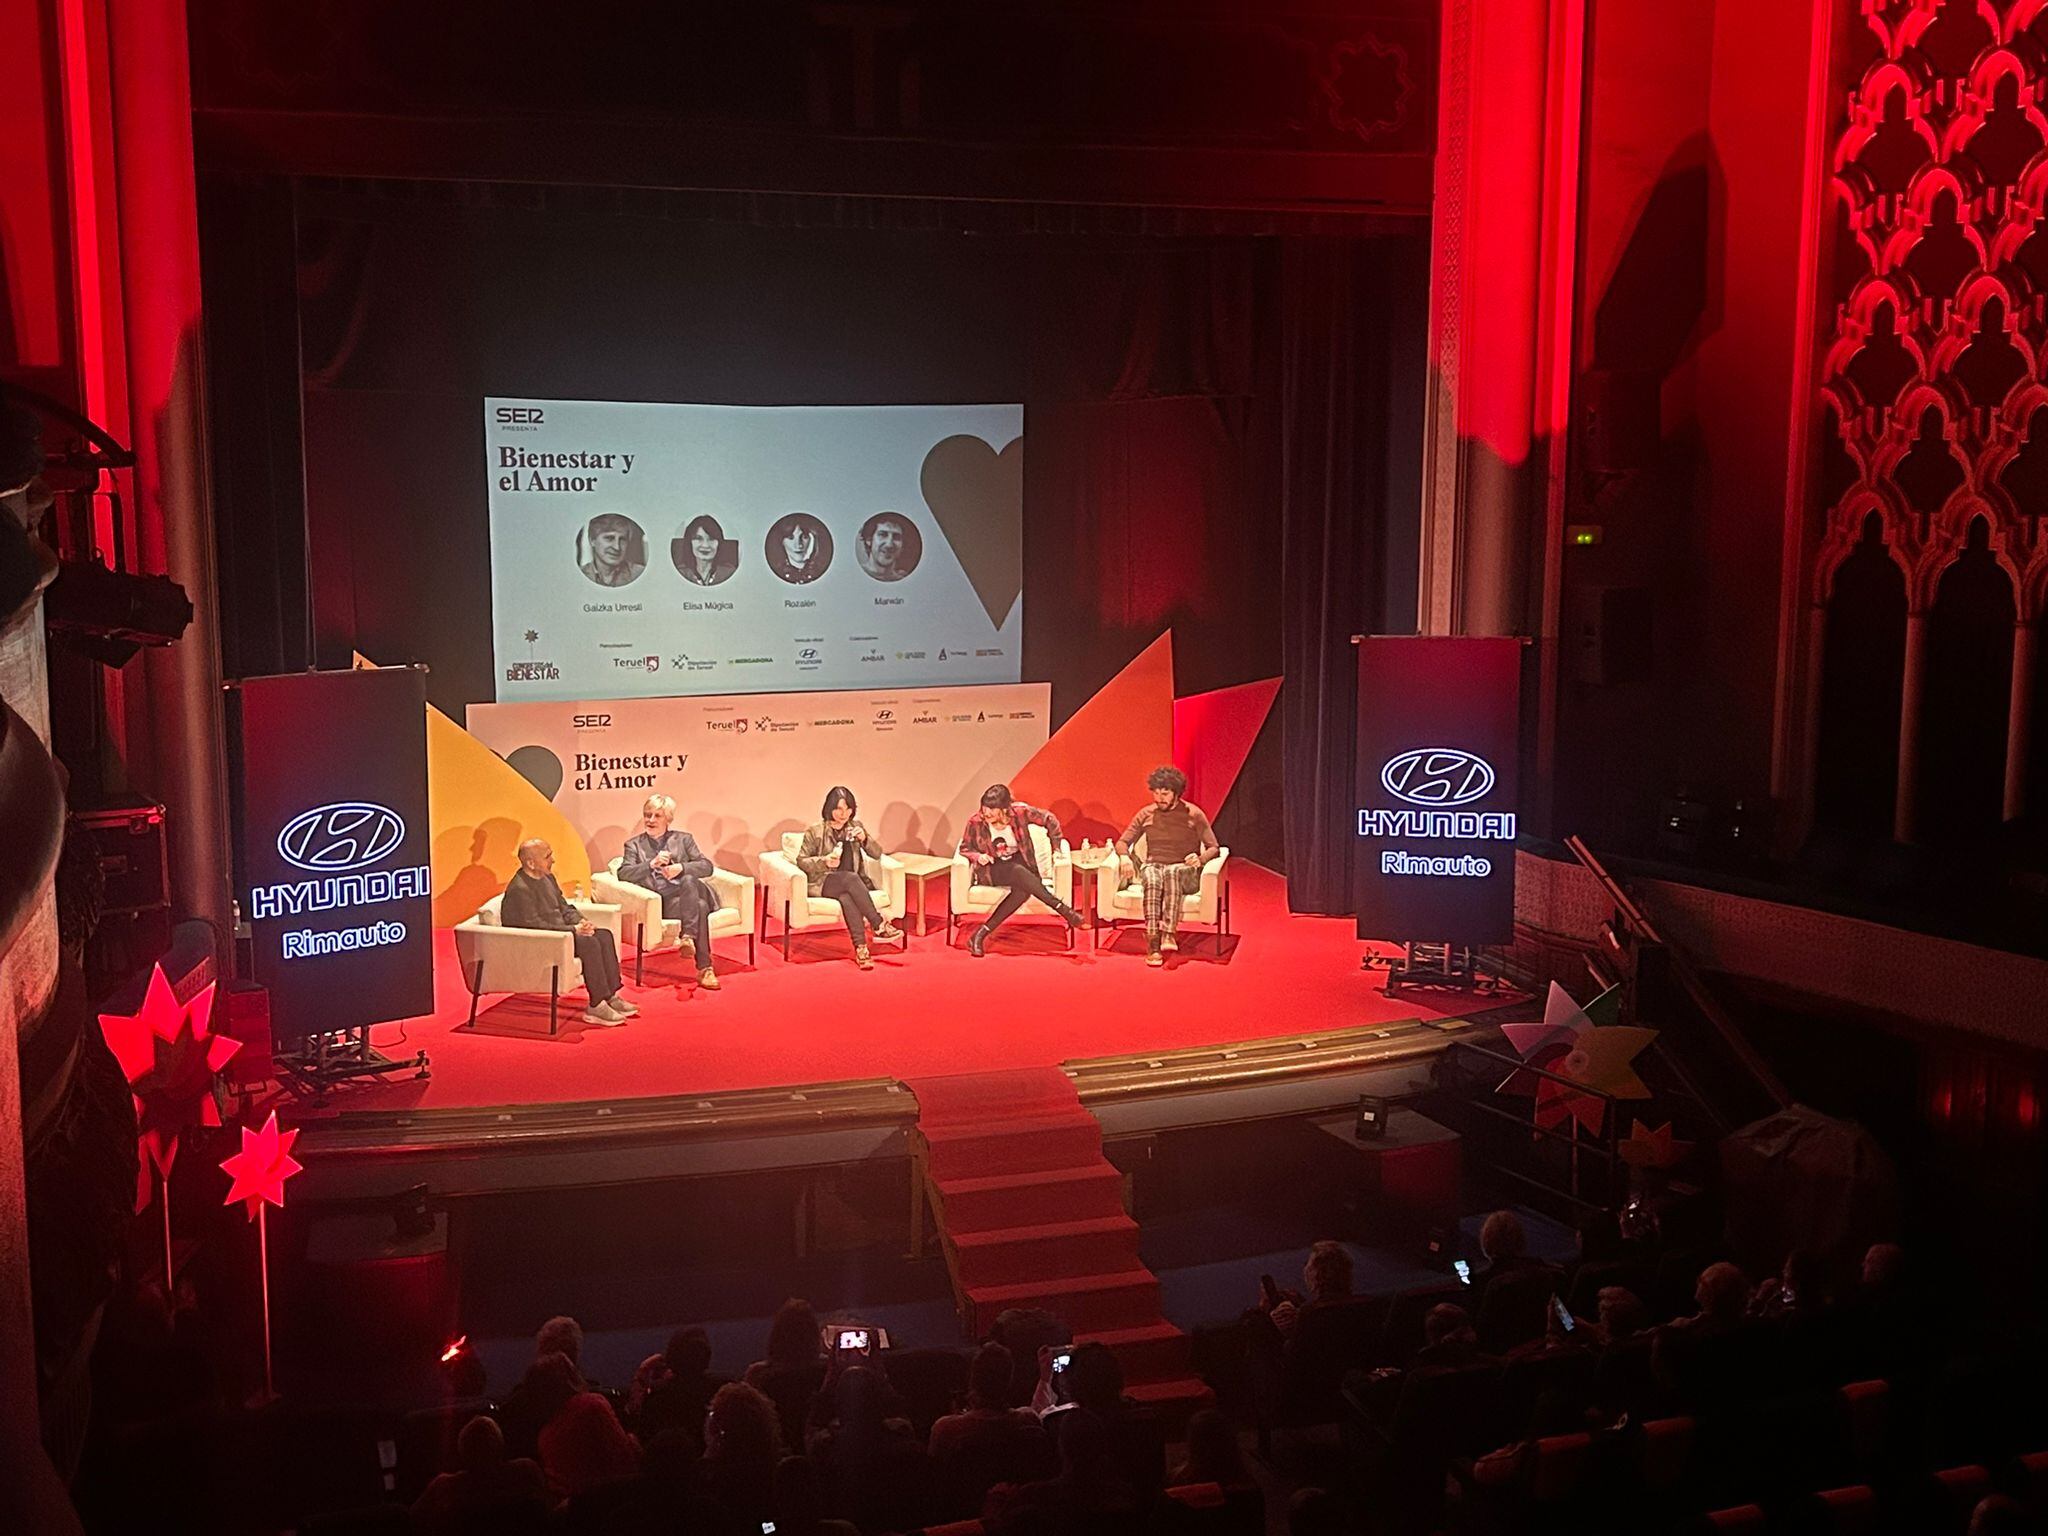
1372, 1117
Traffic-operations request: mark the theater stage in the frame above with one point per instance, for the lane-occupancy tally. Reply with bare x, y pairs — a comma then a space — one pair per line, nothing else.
812, 1043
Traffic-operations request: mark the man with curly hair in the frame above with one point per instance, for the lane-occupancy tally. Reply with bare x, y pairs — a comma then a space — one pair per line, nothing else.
1178, 842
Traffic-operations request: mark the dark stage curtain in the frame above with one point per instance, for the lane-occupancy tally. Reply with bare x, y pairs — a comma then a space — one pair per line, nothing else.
1151, 370
1352, 336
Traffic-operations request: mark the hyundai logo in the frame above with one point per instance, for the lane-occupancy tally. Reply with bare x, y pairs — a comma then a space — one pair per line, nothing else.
333, 838
1438, 776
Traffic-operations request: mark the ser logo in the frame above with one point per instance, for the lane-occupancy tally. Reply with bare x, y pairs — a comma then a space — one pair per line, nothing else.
524, 414
1439, 777
590, 722
333, 839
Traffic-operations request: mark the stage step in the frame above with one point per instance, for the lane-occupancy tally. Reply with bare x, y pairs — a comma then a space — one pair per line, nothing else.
1158, 1352
1035, 1145
1098, 1245
1029, 1199
1174, 1401
1085, 1303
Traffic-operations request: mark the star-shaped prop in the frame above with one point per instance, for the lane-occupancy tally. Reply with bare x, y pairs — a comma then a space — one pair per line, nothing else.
259, 1170
1646, 1148
1573, 1042
172, 1061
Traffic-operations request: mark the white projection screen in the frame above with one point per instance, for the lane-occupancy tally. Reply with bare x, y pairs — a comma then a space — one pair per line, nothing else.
642, 549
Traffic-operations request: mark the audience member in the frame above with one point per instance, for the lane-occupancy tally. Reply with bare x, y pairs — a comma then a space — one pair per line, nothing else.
548, 1384
1449, 1341
1089, 1496
681, 1401
1094, 1382
486, 1479
1031, 1335
793, 1371
800, 1502
583, 1445
988, 1421
651, 1373
1998, 1514
1721, 1294
1326, 1277
1512, 1294
873, 1468
742, 1447
1213, 1454
1795, 1290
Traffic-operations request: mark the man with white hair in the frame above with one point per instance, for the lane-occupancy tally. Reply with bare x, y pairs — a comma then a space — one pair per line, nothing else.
666, 860
534, 899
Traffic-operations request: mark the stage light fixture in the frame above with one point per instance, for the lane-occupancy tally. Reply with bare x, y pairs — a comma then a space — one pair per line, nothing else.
1372, 1117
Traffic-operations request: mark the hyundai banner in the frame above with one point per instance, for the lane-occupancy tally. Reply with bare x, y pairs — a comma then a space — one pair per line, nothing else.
1437, 737
331, 845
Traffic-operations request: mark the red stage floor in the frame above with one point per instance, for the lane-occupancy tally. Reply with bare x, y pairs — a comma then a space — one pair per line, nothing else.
923, 1012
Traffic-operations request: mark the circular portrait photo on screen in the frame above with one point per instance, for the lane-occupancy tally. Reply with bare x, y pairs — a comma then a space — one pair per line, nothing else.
890, 546
611, 550
799, 548
702, 552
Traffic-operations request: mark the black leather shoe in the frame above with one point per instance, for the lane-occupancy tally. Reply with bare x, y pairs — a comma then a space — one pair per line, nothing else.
976, 941
1072, 914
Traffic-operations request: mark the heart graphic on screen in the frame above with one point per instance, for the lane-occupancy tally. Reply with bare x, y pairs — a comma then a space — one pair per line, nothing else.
977, 494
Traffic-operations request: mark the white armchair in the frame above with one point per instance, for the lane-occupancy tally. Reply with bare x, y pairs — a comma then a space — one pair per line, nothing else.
787, 886
1120, 901
495, 958
640, 914
1055, 867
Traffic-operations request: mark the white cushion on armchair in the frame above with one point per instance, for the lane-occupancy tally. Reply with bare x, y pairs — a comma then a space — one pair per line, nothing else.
969, 898
789, 889
640, 909
1118, 899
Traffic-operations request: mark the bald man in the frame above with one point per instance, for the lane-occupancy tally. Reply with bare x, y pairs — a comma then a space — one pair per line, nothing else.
534, 899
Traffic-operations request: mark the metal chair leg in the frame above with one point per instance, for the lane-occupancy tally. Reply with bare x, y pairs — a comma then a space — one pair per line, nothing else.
554, 999
785, 930
476, 986
640, 952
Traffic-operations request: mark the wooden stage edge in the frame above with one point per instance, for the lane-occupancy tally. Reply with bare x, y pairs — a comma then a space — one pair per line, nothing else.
372, 1154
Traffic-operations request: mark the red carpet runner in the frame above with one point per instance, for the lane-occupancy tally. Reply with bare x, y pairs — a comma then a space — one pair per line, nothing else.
1031, 1215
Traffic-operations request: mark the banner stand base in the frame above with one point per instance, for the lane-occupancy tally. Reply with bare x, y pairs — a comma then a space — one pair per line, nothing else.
1453, 966
338, 1055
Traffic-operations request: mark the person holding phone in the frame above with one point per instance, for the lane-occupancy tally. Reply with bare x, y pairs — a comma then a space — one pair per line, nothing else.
997, 843
834, 856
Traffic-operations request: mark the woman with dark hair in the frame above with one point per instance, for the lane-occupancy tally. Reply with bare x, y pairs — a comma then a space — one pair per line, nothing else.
834, 859
996, 843
794, 1369
703, 554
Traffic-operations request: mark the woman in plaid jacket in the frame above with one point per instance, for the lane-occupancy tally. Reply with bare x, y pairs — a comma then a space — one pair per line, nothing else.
997, 843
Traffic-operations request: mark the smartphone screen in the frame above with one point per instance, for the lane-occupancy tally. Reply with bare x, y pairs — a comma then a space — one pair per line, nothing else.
1464, 1271
1565, 1320
1062, 1360
853, 1338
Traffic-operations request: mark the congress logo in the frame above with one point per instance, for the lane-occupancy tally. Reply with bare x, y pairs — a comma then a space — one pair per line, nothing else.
332, 839
1437, 776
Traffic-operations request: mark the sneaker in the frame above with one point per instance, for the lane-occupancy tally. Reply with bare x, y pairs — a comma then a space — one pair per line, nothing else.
888, 933
1169, 943
618, 1004
977, 941
598, 1013
863, 959
1154, 958
707, 980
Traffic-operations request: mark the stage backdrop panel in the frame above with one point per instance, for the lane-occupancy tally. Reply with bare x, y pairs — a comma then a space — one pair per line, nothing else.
1437, 799
747, 768
652, 549
331, 845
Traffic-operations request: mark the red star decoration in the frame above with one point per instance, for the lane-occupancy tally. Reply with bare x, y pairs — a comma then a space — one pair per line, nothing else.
171, 1059
1646, 1148
259, 1170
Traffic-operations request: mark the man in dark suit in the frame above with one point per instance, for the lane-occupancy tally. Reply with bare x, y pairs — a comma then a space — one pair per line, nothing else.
667, 861
534, 899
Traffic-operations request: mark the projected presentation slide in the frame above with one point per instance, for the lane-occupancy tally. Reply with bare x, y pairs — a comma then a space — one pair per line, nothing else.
655, 549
